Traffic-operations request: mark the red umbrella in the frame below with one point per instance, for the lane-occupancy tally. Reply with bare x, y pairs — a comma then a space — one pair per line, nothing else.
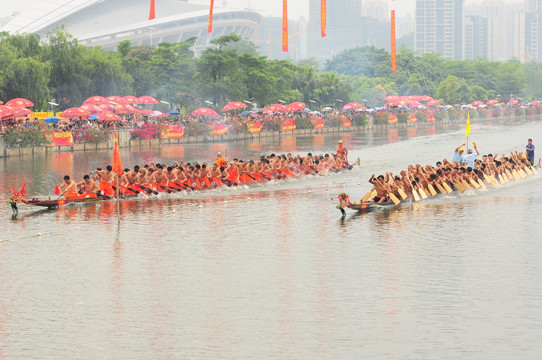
433, 102
147, 100
391, 104
512, 102
5, 112
492, 102
125, 109
477, 103
146, 112
295, 106
19, 111
131, 99
91, 108
20, 102
391, 98
106, 107
414, 104
116, 99
276, 107
108, 116
96, 100
234, 106
535, 102
205, 112
75, 112
353, 105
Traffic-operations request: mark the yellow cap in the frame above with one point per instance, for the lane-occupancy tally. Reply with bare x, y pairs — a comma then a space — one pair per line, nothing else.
340, 141
461, 149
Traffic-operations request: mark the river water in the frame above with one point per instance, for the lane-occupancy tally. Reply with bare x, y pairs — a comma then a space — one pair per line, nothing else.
271, 271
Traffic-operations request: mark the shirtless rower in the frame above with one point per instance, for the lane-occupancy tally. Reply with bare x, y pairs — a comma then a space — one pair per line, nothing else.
68, 188
381, 189
88, 186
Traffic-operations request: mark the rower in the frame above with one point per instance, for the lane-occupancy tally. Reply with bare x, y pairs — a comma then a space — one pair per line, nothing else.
68, 188
381, 190
88, 187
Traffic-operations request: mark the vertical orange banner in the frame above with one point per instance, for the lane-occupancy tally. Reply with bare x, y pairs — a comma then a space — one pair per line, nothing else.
210, 26
285, 25
323, 18
152, 14
393, 49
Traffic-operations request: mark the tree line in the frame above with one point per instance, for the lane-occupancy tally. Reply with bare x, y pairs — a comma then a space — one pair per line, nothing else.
230, 69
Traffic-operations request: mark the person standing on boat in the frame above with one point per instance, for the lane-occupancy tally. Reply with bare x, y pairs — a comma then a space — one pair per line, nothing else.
471, 156
458, 154
530, 151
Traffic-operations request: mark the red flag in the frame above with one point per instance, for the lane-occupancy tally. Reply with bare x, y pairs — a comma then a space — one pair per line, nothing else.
117, 163
323, 18
393, 49
285, 25
210, 26
152, 14
57, 190
23, 191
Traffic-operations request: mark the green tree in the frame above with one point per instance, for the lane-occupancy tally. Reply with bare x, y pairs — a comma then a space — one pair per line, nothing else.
448, 90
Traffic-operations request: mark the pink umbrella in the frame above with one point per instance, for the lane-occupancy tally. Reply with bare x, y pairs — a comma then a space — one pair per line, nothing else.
535, 102
205, 112
512, 102
20, 102
75, 112
108, 116
492, 102
477, 103
234, 106
96, 100
276, 107
353, 105
116, 99
433, 102
147, 100
295, 106
146, 112
131, 99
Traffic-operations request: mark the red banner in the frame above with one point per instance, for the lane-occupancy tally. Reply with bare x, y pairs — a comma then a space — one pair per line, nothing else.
172, 132
429, 117
323, 18
254, 127
285, 25
152, 14
288, 125
210, 26
393, 47
317, 122
392, 119
346, 121
59, 138
412, 118
217, 129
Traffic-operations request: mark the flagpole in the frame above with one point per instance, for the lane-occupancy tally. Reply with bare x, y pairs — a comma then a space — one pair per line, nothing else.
118, 199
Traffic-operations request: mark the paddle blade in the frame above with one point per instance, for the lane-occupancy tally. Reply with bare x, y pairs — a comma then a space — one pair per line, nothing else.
402, 193
57, 190
394, 198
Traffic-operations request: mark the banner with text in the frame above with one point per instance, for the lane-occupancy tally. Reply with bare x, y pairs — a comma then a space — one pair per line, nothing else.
172, 132
412, 118
254, 127
392, 119
59, 138
346, 121
288, 125
217, 129
317, 122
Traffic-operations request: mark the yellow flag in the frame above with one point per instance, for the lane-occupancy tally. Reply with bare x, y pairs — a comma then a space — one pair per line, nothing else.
467, 130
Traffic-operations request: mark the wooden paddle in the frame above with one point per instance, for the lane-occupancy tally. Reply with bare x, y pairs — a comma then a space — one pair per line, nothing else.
441, 189
414, 191
474, 183
400, 191
465, 184
393, 198
367, 196
429, 186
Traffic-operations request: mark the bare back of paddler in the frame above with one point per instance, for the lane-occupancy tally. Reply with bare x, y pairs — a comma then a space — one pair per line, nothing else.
381, 189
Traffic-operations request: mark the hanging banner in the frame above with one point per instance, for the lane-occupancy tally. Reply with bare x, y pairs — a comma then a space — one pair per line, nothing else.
285, 25
412, 118
392, 119
318, 123
210, 25
323, 18
346, 122
59, 138
217, 129
393, 47
254, 127
288, 125
172, 132
152, 13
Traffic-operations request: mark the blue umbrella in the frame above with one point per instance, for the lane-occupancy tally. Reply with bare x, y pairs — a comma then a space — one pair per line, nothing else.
307, 110
93, 117
174, 112
246, 112
52, 119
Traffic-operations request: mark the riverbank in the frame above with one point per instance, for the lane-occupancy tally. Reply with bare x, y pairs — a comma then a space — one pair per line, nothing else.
125, 140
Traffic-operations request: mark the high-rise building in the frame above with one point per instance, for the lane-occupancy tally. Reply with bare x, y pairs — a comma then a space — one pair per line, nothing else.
439, 28
343, 29
476, 40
